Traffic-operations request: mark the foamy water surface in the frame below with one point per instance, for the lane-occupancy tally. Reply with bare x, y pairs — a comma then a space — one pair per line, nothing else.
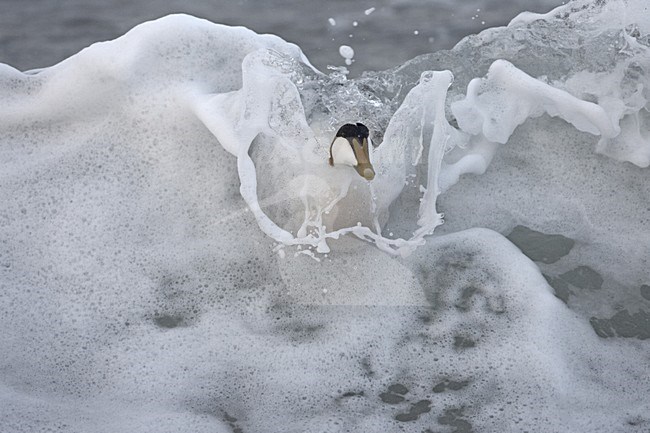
176, 254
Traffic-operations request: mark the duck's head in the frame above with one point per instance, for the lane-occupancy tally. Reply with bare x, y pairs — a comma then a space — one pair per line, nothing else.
351, 146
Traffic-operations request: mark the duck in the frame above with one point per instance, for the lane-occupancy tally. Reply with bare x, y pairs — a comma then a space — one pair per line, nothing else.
351, 147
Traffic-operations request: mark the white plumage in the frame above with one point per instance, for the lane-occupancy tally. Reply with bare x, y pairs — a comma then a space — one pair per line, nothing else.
342, 152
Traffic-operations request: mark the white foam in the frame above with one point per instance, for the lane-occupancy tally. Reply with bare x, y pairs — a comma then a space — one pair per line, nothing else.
347, 53
497, 104
146, 183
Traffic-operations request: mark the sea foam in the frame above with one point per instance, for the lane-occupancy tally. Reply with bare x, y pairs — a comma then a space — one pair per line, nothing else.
177, 255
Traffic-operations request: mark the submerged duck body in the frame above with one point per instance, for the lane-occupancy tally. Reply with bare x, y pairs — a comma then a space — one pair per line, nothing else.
351, 147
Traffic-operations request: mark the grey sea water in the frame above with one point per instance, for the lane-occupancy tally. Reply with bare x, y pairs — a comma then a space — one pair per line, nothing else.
39, 33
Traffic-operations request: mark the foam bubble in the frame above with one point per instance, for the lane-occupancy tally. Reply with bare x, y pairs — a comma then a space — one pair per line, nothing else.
347, 53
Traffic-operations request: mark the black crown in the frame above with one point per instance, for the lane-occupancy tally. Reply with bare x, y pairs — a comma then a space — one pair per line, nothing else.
349, 130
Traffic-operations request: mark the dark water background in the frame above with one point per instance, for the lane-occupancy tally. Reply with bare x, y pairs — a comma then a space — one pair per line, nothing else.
39, 33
